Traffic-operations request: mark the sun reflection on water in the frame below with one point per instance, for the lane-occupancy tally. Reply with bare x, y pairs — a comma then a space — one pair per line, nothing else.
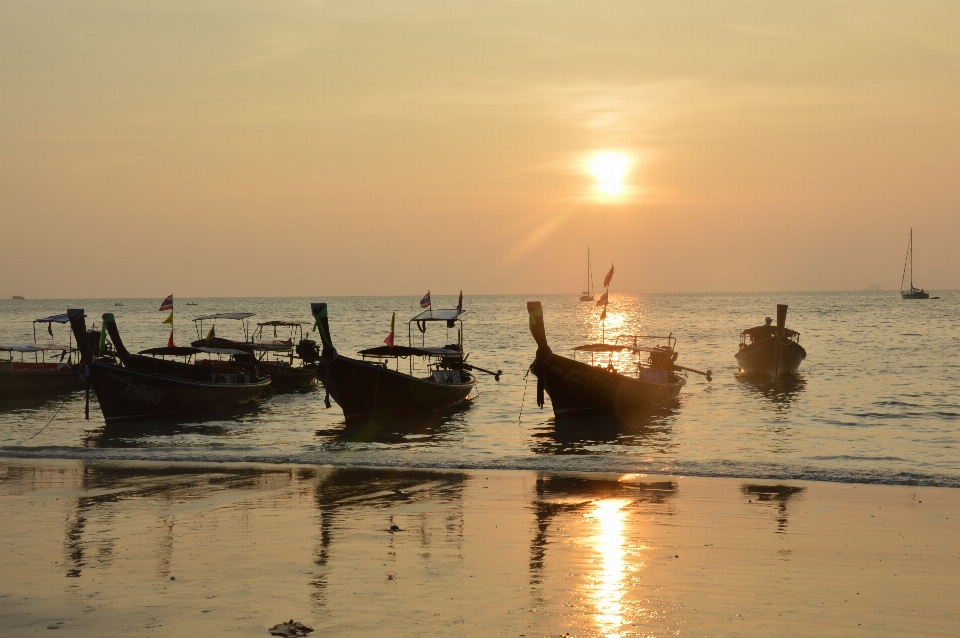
609, 588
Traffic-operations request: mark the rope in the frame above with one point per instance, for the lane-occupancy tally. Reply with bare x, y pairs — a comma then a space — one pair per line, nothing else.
64, 402
520, 416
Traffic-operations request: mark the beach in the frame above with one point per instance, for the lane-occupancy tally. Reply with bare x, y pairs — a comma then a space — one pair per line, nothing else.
96, 548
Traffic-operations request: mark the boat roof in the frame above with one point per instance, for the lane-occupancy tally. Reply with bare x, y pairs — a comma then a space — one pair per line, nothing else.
768, 328
53, 319
276, 345
610, 347
406, 351
227, 315
438, 315
34, 347
291, 324
183, 351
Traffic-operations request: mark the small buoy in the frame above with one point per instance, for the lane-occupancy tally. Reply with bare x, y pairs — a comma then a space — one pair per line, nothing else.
395, 528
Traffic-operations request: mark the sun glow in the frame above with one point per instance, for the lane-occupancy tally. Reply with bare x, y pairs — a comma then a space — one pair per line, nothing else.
609, 169
608, 595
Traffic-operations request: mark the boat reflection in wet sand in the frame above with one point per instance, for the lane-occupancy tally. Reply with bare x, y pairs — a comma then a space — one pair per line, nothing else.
770, 352
574, 385
59, 373
136, 386
368, 387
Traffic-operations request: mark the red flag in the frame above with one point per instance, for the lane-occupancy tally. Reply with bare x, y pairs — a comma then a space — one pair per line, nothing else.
389, 339
460, 302
167, 303
602, 301
170, 343
425, 302
606, 280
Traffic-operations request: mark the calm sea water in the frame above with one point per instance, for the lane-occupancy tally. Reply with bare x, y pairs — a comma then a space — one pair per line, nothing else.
878, 399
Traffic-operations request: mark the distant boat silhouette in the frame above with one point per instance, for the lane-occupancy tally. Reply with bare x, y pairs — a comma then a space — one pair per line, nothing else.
913, 292
18, 298
588, 295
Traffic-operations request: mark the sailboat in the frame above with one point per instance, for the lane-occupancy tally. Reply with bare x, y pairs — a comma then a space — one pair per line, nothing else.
913, 292
588, 295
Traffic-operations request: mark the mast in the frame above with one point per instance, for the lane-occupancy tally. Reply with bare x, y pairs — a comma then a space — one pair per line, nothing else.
911, 260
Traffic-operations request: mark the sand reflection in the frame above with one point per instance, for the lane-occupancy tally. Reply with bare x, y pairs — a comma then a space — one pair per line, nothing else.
609, 544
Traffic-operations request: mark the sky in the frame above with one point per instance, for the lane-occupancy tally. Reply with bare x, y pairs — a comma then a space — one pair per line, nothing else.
362, 148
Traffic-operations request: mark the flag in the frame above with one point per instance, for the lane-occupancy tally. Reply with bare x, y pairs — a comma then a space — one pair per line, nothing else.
603, 314
170, 340
167, 303
169, 319
603, 301
606, 280
212, 334
389, 339
460, 302
425, 302
49, 328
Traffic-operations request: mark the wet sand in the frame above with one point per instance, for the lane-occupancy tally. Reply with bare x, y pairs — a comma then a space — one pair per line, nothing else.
120, 549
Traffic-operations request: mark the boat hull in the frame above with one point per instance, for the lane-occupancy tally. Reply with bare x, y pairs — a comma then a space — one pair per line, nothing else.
15, 384
133, 394
575, 386
915, 295
771, 358
289, 379
364, 390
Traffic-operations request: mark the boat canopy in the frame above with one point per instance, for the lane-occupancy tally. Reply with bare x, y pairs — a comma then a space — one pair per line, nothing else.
273, 345
291, 324
34, 347
227, 315
184, 351
406, 351
53, 319
438, 315
609, 347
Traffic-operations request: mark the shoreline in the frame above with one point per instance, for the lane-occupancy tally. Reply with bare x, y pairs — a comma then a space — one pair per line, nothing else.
158, 548
736, 471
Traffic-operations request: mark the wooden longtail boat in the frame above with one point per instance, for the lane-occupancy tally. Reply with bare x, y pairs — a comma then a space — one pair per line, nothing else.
284, 375
574, 385
137, 386
47, 373
770, 352
367, 387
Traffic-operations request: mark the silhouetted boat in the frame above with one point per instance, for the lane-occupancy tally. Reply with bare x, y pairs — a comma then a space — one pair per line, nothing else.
19, 298
284, 375
770, 352
137, 386
913, 292
588, 294
574, 385
368, 387
40, 376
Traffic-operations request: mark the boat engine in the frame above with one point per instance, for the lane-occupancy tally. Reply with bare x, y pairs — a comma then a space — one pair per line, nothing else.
308, 351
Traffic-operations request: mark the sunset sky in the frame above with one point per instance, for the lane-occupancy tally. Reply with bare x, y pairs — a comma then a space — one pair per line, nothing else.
330, 148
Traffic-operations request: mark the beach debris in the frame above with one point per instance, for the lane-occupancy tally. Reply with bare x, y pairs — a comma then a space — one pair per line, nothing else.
395, 528
290, 629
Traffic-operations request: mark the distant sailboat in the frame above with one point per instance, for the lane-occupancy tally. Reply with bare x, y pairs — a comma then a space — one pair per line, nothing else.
588, 295
913, 292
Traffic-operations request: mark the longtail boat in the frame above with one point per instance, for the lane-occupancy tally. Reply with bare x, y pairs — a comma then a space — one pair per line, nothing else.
368, 387
149, 385
51, 371
770, 352
269, 352
574, 385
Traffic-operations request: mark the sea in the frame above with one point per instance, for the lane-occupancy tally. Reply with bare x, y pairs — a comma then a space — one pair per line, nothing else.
877, 399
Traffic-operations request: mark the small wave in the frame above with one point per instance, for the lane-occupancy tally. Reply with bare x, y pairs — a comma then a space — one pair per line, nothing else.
573, 463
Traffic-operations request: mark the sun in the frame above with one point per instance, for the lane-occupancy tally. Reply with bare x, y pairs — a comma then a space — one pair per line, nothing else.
609, 169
